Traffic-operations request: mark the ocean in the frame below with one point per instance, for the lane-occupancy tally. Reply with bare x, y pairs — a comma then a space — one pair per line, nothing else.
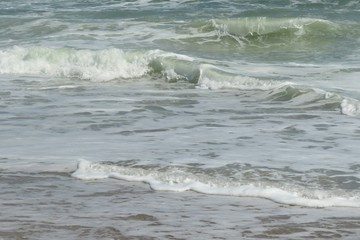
179, 119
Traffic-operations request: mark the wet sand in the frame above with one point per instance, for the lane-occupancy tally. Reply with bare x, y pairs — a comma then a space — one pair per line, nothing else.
56, 206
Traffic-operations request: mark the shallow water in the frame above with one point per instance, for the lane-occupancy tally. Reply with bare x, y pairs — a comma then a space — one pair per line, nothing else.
54, 205
119, 117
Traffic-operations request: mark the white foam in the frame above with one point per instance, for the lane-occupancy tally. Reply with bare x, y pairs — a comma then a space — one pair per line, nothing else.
85, 171
350, 107
103, 65
84, 64
176, 179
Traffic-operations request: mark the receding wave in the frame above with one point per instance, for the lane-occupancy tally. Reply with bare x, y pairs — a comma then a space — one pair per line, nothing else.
228, 180
116, 64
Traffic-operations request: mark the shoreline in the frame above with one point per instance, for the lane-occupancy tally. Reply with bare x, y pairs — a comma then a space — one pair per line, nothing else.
57, 206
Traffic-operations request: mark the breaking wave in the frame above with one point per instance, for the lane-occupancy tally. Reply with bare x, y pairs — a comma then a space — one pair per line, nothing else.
103, 65
116, 64
83, 64
231, 180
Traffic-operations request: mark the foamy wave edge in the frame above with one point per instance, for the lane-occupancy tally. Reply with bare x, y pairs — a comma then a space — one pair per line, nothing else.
116, 64
179, 181
101, 65
350, 107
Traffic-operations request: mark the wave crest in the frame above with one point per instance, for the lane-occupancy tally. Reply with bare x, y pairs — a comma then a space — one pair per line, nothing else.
251, 28
251, 35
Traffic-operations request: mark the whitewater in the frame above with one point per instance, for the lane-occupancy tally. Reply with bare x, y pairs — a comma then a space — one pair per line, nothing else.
179, 119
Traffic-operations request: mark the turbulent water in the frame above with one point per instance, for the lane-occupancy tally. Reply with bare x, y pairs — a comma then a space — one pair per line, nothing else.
220, 108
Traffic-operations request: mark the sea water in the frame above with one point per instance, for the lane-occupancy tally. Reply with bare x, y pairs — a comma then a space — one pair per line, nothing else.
179, 119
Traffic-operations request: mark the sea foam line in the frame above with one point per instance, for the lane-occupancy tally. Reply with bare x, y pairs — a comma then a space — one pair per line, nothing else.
174, 179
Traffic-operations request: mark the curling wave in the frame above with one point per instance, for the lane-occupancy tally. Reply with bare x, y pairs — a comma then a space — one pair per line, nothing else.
286, 28
255, 36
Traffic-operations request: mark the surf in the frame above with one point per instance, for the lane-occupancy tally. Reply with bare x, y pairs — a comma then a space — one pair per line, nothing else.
117, 65
213, 181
